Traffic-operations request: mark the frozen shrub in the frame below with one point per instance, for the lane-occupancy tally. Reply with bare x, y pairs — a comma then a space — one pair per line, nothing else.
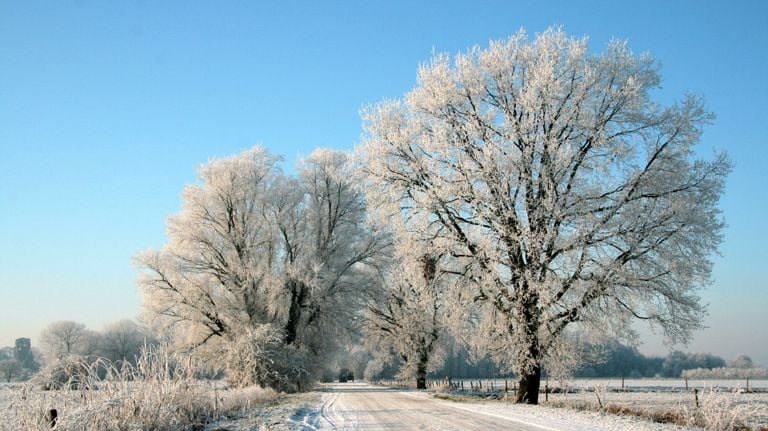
261, 357
68, 372
158, 393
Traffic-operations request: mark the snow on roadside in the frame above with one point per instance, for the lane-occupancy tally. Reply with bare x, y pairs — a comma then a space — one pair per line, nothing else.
556, 419
289, 412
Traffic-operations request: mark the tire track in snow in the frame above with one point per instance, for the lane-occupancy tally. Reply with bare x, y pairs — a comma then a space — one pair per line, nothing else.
327, 409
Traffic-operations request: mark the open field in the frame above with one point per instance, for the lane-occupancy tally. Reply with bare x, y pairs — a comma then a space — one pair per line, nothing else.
721, 402
590, 404
654, 384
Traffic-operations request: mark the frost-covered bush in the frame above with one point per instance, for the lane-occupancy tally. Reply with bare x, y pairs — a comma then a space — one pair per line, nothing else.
68, 372
719, 411
373, 370
262, 358
159, 393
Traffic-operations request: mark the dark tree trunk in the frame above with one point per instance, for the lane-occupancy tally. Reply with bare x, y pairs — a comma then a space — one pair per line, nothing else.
421, 372
294, 312
531, 381
529, 387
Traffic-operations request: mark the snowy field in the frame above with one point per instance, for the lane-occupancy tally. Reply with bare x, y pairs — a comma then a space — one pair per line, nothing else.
359, 406
610, 384
749, 408
662, 384
719, 400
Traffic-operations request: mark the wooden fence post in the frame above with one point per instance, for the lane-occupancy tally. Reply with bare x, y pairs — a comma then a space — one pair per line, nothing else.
51, 417
696, 397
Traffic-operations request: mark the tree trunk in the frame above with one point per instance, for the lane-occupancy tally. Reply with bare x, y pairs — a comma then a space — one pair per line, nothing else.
421, 372
294, 312
529, 387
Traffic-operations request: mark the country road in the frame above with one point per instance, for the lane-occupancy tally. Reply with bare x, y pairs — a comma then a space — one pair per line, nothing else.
358, 406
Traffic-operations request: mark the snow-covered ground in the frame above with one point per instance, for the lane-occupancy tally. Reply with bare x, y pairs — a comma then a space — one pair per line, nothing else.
672, 384
358, 406
662, 384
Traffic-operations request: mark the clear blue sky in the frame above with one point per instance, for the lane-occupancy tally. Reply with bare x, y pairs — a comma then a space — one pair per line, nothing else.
106, 108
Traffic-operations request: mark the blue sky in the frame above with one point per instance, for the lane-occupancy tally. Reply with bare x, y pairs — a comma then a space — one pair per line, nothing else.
106, 109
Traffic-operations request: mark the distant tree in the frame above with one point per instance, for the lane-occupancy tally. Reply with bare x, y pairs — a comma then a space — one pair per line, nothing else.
254, 247
10, 368
406, 320
569, 198
65, 338
6, 353
123, 341
742, 361
677, 362
613, 359
726, 373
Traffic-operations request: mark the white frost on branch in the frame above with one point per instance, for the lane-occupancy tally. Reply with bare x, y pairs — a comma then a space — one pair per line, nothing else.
566, 196
253, 247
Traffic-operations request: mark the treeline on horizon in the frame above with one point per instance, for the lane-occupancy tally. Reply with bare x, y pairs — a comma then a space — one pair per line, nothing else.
609, 360
613, 359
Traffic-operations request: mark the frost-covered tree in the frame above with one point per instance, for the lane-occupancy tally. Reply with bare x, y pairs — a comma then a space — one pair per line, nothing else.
65, 338
570, 199
405, 319
741, 361
213, 276
252, 246
10, 368
123, 341
331, 255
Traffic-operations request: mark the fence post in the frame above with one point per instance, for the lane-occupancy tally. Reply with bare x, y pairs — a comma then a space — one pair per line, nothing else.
51, 417
696, 397
506, 386
622, 383
546, 391
686, 383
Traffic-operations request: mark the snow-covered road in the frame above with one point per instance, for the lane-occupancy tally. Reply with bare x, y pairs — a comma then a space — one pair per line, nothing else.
356, 406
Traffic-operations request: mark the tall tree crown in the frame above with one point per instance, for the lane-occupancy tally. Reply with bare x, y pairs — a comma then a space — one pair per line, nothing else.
562, 191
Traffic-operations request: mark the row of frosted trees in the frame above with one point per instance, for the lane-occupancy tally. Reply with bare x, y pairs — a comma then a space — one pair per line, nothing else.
522, 198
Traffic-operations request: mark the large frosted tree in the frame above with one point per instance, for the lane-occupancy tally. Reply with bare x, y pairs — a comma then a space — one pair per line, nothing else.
253, 248
571, 201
